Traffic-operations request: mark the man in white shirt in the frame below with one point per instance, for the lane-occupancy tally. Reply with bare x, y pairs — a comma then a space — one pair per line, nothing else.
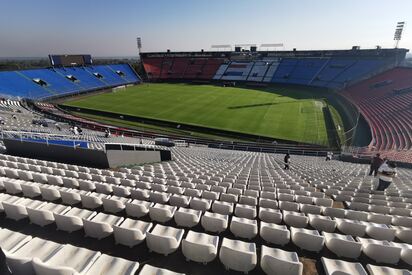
387, 171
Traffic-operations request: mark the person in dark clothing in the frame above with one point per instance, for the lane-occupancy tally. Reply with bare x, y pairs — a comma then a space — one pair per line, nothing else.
376, 162
287, 161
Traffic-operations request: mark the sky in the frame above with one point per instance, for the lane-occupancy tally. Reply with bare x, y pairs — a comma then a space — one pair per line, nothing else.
103, 28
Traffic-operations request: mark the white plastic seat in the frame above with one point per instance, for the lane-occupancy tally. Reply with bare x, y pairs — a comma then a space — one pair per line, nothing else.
54, 180
222, 207
402, 221
289, 206
380, 232
20, 260
179, 200
164, 239
40, 178
162, 212
200, 247
244, 228
295, 219
101, 225
87, 185
114, 204
193, 192
322, 223
380, 270
342, 245
200, 204
107, 264
159, 197
50, 193
247, 200
187, 217
268, 203
7, 198
25, 175
92, 200
268, 195
214, 222
44, 214
12, 186
238, 255
121, 191
70, 183
335, 267
351, 227
71, 196
245, 211
406, 251
307, 239
310, 209
403, 233
356, 215
334, 212
270, 215
137, 208
286, 197
303, 199
232, 198
140, 194
104, 188
380, 251
274, 233
17, 210
210, 195
11, 241
68, 260
278, 261
131, 232
73, 219
379, 218
30, 189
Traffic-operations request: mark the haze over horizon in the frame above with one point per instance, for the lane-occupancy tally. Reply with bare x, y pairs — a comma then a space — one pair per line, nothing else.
109, 28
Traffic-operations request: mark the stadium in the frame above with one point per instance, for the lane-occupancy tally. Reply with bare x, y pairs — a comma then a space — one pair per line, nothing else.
244, 158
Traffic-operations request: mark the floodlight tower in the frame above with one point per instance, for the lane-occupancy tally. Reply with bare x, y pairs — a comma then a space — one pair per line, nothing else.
139, 44
398, 33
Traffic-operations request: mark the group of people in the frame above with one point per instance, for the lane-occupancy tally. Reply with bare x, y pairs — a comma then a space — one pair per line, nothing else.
384, 169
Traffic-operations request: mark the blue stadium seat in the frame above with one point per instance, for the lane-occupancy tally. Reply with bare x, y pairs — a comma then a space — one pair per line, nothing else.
56, 82
15, 85
129, 75
110, 77
21, 84
85, 79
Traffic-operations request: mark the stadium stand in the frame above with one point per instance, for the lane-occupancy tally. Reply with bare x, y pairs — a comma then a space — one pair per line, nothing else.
329, 69
81, 199
384, 101
54, 82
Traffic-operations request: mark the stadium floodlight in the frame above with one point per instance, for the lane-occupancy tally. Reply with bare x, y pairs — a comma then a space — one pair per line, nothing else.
398, 33
139, 43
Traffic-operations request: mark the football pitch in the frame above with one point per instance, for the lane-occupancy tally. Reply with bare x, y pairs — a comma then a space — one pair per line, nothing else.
283, 113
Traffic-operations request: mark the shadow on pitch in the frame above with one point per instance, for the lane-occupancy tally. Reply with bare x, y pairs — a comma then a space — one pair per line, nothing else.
258, 105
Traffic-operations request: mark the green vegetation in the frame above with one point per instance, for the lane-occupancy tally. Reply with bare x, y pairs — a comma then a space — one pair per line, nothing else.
282, 113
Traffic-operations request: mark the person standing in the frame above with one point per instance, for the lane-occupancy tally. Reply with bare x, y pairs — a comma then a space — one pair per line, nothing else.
287, 161
376, 162
387, 172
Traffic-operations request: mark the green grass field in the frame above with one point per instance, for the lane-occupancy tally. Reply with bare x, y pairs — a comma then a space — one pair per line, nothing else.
282, 113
